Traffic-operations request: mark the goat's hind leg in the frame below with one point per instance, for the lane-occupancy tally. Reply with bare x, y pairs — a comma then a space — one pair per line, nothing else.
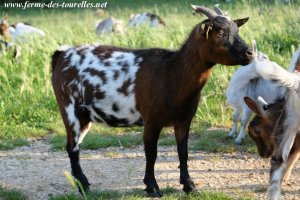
292, 159
245, 119
76, 126
236, 116
279, 163
151, 135
182, 135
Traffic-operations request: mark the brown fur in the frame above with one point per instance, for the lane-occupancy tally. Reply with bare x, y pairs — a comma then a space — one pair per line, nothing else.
167, 89
4, 29
261, 130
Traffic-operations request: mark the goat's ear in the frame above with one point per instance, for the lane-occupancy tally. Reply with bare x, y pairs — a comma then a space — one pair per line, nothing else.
240, 22
297, 65
253, 106
204, 28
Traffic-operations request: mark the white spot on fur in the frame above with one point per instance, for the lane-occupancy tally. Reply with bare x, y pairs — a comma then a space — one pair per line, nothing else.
74, 122
64, 48
84, 132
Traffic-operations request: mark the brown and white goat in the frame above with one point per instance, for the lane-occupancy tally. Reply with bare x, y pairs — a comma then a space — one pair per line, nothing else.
281, 134
150, 87
261, 130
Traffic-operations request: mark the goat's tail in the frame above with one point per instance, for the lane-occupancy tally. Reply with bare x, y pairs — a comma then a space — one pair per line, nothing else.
272, 71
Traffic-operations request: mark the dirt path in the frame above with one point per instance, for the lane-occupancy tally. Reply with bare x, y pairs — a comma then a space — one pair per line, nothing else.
39, 171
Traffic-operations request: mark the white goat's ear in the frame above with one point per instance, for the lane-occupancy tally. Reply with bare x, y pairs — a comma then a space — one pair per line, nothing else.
254, 107
254, 49
263, 103
240, 22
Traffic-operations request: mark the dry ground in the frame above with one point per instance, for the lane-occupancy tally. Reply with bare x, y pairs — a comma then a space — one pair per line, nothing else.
38, 171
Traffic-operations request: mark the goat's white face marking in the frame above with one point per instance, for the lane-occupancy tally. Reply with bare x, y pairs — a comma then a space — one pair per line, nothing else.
103, 82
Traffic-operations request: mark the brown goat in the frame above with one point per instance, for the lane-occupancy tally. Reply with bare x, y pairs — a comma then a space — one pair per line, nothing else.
151, 87
261, 130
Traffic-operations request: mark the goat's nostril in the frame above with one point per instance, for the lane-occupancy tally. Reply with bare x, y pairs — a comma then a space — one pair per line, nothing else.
249, 52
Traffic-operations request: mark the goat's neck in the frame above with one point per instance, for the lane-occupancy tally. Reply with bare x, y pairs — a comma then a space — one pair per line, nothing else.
192, 70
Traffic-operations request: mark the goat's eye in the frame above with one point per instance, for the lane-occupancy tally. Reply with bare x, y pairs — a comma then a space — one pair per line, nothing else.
220, 33
256, 130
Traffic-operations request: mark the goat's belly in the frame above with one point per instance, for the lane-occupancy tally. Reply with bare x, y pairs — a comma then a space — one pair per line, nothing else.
116, 112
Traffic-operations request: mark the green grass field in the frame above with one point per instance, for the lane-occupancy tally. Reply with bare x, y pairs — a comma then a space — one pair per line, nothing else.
27, 104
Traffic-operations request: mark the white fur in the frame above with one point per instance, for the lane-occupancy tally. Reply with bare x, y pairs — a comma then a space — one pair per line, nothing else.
144, 18
110, 25
247, 82
73, 121
272, 71
23, 31
110, 88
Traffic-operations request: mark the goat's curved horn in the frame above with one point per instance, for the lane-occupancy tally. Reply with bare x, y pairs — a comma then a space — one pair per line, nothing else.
218, 10
264, 104
205, 11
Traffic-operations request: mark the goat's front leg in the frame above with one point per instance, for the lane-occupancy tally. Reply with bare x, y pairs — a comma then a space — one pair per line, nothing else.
151, 135
182, 135
278, 164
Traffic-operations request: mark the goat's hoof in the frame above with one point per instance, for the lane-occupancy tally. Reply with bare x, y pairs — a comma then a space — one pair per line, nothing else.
189, 186
153, 192
230, 136
83, 185
238, 142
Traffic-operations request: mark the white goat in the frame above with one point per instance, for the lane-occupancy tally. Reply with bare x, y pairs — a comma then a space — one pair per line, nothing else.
139, 19
247, 82
288, 124
21, 31
110, 25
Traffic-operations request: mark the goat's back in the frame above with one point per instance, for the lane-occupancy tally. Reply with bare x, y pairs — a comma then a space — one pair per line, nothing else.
246, 82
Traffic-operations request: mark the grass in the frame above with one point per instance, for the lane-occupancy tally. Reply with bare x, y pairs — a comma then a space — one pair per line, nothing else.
11, 194
217, 141
169, 194
27, 104
214, 141
11, 144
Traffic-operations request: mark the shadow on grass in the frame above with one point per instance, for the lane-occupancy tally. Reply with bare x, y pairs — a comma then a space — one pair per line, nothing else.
169, 194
